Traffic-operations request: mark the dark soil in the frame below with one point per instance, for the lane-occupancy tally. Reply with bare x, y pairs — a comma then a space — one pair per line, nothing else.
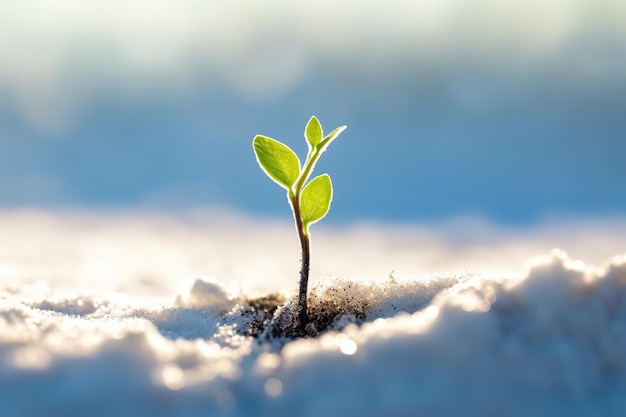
275, 317
262, 310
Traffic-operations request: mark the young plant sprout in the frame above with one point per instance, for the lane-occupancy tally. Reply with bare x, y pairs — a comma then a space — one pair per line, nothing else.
309, 201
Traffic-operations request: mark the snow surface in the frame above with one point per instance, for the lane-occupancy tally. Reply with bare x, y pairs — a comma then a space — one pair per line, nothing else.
548, 339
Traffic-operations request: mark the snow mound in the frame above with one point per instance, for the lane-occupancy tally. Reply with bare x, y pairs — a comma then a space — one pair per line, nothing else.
207, 292
548, 341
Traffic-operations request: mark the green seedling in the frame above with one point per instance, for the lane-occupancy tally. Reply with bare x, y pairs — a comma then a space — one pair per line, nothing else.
310, 201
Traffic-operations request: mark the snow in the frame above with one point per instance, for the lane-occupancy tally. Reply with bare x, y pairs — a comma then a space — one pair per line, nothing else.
541, 339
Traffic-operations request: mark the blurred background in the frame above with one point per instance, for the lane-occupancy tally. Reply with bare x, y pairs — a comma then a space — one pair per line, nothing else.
509, 111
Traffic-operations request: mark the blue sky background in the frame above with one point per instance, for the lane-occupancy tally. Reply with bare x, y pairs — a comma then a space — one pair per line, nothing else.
509, 111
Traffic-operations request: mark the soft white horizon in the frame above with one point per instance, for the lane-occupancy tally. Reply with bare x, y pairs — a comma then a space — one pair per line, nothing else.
156, 254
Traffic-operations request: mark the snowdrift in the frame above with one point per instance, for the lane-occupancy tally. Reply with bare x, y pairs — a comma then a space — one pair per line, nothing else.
547, 341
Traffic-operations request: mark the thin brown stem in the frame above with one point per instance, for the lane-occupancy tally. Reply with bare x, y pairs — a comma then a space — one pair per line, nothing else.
304, 270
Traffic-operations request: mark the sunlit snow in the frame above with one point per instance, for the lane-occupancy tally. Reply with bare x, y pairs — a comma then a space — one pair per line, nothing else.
139, 314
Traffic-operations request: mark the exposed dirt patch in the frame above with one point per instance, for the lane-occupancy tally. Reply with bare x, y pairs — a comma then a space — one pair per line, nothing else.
262, 310
327, 304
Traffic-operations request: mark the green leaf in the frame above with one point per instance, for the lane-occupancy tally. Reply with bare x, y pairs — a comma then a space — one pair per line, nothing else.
332, 136
278, 161
315, 199
313, 132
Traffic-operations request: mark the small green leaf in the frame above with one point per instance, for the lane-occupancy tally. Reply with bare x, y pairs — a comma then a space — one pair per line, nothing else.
315, 199
278, 161
332, 136
313, 132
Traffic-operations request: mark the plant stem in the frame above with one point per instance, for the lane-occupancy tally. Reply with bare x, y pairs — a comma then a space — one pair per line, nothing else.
304, 270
